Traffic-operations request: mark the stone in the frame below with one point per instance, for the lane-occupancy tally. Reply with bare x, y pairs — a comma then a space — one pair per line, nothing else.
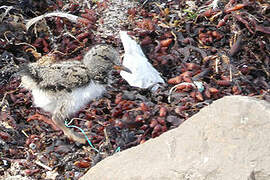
227, 140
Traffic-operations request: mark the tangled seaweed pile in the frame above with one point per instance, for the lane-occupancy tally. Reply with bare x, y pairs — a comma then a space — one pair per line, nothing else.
204, 50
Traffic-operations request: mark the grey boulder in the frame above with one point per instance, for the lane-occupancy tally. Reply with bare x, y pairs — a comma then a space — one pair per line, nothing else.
228, 140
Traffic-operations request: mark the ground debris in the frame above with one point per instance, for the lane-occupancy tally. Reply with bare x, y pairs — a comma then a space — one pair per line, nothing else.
203, 51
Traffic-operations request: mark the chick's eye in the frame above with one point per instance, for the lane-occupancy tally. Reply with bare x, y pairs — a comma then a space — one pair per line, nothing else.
106, 58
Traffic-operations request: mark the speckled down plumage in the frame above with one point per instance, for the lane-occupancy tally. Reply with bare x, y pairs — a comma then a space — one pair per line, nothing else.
68, 75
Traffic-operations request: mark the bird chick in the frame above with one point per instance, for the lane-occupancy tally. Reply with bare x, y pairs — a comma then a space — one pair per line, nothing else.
63, 88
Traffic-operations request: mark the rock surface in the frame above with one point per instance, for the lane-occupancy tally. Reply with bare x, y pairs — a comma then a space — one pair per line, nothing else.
230, 139
114, 18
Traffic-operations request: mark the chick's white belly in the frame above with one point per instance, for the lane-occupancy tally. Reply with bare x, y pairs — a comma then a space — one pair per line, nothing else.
44, 100
83, 95
72, 102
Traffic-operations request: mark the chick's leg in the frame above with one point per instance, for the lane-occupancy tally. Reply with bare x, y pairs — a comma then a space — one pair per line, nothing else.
41, 117
58, 118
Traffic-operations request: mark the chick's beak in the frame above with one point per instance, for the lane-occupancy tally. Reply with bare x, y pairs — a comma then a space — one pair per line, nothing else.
122, 68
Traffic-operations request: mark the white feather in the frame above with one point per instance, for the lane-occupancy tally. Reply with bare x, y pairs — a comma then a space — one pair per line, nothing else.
143, 75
